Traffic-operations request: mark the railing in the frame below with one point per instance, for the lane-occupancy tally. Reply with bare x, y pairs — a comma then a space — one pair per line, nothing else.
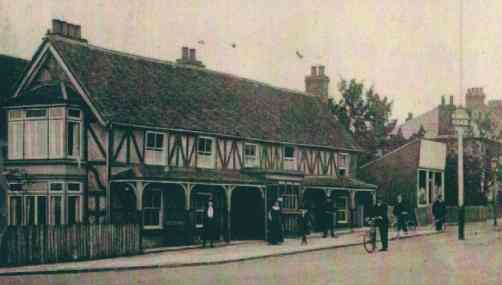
41, 244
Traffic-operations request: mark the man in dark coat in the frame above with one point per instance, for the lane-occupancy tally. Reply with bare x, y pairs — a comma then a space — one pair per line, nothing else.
210, 222
328, 213
401, 213
439, 213
382, 222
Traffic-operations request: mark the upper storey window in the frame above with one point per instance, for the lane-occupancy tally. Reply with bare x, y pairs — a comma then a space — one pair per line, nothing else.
289, 157
44, 133
205, 152
251, 155
343, 164
155, 147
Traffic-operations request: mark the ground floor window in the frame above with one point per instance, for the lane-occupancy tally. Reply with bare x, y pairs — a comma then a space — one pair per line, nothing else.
152, 209
60, 204
429, 186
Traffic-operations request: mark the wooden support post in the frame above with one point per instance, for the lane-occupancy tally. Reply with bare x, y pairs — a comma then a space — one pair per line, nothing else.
140, 186
264, 195
352, 195
228, 193
109, 155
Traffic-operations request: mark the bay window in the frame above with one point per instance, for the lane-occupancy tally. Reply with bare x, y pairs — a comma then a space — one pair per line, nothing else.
43, 133
60, 204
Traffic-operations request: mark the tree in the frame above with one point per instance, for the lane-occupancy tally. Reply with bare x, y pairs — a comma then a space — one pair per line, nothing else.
366, 115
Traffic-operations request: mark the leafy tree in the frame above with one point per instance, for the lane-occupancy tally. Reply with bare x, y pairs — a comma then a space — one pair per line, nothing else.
366, 115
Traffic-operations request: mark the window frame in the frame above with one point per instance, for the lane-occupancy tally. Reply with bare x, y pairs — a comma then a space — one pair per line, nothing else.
250, 160
160, 225
289, 158
205, 152
155, 137
345, 210
343, 170
36, 199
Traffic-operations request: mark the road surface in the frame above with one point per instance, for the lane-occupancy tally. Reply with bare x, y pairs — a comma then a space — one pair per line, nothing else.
438, 259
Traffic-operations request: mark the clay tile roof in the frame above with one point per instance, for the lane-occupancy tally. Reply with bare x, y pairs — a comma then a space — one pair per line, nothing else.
130, 89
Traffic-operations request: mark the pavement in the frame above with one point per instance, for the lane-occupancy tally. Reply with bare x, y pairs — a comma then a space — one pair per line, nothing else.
197, 256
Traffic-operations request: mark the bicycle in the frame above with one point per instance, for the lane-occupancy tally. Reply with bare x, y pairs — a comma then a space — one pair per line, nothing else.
369, 237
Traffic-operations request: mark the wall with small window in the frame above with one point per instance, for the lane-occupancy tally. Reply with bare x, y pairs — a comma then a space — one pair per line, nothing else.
289, 157
44, 133
343, 164
155, 148
206, 152
40, 203
251, 155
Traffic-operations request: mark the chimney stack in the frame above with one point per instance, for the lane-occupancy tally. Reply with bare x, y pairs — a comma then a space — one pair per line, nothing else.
475, 98
443, 101
189, 57
66, 30
193, 54
451, 100
317, 83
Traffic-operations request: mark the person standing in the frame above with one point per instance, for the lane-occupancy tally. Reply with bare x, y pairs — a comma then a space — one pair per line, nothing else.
209, 224
401, 214
382, 222
328, 218
275, 222
439, 212
304, 225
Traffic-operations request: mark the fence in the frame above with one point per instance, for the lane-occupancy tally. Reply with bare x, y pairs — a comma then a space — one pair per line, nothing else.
23, 245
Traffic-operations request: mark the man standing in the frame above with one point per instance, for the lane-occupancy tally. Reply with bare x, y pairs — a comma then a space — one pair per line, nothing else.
401, 215
328, 217
382, 221
209, 224
439, 212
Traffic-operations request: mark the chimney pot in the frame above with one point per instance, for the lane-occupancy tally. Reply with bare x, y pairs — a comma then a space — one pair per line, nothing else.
451, 100
193, 56
313, 71
321, 70
442, 101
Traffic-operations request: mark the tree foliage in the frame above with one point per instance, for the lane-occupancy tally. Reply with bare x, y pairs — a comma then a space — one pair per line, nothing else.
366, 115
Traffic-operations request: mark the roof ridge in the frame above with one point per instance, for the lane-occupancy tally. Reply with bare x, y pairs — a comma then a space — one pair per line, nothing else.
175, 64
392, 152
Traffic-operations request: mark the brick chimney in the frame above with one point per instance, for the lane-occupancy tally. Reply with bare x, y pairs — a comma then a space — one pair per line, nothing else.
67, 30
189, 57
410, 117
317, 83
475, 98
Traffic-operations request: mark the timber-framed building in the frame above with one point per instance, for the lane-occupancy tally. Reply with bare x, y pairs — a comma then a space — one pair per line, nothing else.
96, 136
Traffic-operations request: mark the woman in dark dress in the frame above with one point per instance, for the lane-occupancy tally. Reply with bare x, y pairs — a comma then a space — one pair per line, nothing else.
275, 221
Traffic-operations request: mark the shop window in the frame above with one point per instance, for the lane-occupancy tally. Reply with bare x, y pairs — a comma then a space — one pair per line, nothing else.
341, 205
290, 197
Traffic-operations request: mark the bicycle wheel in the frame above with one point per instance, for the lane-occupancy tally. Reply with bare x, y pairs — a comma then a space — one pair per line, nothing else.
369, 243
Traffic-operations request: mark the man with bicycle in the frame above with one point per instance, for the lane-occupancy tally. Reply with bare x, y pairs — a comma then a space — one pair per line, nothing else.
401, 214
382, 222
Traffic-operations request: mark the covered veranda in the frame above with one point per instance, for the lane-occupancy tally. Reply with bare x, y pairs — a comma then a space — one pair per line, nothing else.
170, 204
352, 198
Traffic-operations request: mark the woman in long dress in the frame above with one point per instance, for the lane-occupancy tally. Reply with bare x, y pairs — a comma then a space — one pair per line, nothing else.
275, 221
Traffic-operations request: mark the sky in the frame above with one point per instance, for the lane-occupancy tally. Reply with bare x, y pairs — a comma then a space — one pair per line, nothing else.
408, 50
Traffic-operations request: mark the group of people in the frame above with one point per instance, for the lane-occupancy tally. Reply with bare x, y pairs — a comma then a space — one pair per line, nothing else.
328, 222
401, 214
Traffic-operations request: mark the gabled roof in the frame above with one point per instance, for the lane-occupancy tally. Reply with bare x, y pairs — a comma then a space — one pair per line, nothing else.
134, 90
11, 69
428, 120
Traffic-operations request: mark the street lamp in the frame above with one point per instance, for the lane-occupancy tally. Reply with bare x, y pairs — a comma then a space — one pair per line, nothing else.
460, 121
494, 189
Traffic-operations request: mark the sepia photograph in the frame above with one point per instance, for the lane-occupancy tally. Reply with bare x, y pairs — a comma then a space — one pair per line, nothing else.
251, 142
